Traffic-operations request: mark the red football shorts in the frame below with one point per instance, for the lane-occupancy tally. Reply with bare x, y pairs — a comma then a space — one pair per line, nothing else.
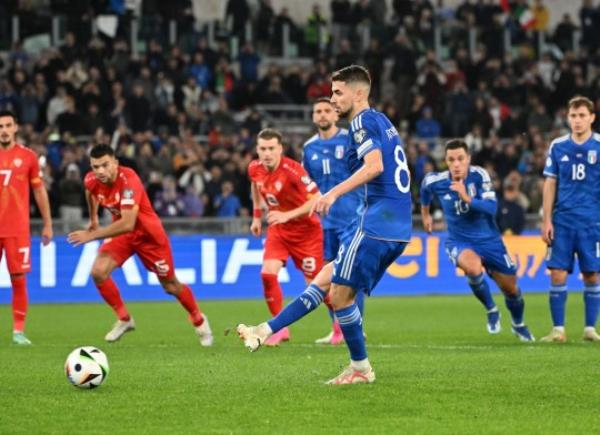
156, 255
18, 250
306, 249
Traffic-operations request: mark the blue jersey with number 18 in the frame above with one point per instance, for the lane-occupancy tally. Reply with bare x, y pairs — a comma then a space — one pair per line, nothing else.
387, 211
577, 172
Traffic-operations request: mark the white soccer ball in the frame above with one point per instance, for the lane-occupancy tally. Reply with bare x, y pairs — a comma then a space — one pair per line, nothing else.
86, 367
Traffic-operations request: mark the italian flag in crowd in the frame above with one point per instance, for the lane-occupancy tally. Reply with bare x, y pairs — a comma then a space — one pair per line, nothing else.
521, 12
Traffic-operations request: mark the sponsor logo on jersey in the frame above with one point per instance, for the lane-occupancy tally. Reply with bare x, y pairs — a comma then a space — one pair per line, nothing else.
447, 197
314, 157
339, 151
565, 158
592, 157
359, 135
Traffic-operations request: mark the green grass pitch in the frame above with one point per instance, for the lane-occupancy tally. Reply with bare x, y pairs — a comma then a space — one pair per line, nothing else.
438, 371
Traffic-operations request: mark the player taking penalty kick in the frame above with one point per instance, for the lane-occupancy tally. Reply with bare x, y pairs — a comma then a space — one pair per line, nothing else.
370, 244
19, 170
136, 229
288, 192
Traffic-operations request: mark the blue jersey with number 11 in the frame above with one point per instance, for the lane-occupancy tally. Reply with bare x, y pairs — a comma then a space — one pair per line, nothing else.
387, 211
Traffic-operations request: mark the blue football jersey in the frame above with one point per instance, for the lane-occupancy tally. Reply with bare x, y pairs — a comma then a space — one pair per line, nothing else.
464, 222
387, 211
325, 161
577, 172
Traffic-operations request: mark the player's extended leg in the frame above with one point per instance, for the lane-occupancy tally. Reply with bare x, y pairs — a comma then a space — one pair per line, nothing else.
558, 299
101, 274
471, 265
307, 301
591, 301
186, 298
335, 336
348, 314
515, 304
273, 296
19, 308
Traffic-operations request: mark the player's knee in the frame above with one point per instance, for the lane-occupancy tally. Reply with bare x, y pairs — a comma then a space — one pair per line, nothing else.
100, 273
472, 269
558, 277
340, 299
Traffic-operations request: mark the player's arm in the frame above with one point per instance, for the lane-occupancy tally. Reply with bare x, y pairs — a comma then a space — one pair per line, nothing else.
486, 204
92, 210
372, 168
425, 196
41, 199
124, 224
256, 226
548, 197
280, 217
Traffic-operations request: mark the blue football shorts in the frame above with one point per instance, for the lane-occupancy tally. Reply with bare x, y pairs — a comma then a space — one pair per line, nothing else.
493, 253
568, 242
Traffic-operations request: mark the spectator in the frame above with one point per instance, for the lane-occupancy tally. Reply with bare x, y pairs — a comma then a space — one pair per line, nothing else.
227, 203
510, 216
70, 192
169, 202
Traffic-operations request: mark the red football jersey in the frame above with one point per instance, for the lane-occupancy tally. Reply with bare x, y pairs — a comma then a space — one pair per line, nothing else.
284, 189
126, 192
19, 168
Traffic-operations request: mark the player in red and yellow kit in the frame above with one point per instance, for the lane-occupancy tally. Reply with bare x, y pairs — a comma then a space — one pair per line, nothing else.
19, 169
136, 229
285, 188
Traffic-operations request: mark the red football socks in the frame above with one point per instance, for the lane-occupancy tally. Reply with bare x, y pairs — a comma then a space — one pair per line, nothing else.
19, 303
110, 292
186, 298
272, 292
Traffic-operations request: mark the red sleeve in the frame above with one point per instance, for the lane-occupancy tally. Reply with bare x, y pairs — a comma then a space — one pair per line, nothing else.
35, 175
89, 181
303, 180
131, 191
252, 170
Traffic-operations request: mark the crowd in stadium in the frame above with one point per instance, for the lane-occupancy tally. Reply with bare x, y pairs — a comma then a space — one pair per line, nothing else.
155, 105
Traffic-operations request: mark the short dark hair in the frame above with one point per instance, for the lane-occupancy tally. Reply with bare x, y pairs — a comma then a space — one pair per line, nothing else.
101, 150
352, 74
10, 113
322, 100
580, 101
456, 144
270, 133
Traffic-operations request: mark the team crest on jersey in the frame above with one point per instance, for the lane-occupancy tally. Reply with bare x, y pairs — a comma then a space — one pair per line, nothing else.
359, 135
472, 190
339, 151
278, 186
18, 162
592, 157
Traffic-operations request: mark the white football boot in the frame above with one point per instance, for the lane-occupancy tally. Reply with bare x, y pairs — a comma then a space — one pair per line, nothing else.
350, 375
204, 333
120, 327
254, 336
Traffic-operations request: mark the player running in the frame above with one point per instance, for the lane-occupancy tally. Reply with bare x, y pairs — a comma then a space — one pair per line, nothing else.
571, 220
325, 161
474, 242
136, 229
284, 186
19, 169
371, 243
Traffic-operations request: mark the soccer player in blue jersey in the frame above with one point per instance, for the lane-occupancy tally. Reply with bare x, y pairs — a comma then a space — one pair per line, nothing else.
371, 243
571, 217
325, 162
474, 241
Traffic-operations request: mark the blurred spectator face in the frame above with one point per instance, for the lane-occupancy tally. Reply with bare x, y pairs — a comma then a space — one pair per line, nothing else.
324, 116
226, 188
580, 120
138, 90
458, 163
269, 152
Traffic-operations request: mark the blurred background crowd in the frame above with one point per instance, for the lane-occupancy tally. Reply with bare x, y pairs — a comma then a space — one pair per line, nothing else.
181, 100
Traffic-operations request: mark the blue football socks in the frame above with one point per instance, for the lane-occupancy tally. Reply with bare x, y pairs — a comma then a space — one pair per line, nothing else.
481, 290
558, 299
516, 306
310, 299
591, 300
351, 324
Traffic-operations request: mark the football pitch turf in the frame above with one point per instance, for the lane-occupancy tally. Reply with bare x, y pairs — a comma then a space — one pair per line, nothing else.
438, 371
